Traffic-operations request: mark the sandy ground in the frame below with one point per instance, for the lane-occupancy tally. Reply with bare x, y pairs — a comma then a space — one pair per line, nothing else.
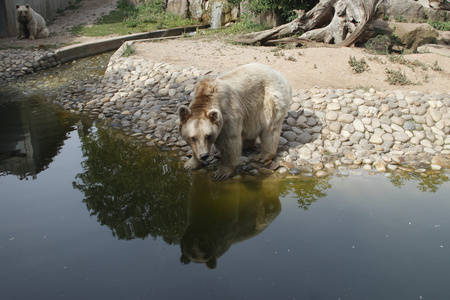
305, 68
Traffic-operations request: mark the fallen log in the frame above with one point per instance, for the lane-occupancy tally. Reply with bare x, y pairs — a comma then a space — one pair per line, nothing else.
340, 22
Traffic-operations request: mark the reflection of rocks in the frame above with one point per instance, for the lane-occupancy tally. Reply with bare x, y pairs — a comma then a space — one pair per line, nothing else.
222, 214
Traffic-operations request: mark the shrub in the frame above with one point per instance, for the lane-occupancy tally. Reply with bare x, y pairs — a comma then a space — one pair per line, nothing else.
358, 66
397, 77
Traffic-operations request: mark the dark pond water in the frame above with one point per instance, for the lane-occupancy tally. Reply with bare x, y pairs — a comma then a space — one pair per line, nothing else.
87, 214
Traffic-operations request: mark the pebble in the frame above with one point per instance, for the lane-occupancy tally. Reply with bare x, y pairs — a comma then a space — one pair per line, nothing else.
326, 130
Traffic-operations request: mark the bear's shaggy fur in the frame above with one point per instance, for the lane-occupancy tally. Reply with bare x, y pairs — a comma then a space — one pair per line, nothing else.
232, 111
29, 23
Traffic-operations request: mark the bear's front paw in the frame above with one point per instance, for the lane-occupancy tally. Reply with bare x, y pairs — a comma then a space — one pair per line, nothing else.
223, 173
192, 164
264, 157
31, 38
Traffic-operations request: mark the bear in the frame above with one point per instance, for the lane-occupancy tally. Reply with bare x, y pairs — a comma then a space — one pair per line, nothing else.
29, 23
231, 111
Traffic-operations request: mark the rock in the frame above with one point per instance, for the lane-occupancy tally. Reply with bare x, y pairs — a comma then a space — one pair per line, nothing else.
346, 118
401, 137
440, 161
358, 125
380, 165
335, 127
333, 106
332, 116
376, 139
415, 35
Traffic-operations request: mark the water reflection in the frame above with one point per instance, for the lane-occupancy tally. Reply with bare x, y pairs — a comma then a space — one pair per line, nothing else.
32, 133
306, 189
133, 190
425, 182
222, 214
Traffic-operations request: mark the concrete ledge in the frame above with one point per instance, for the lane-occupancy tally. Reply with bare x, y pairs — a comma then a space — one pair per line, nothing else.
72, 52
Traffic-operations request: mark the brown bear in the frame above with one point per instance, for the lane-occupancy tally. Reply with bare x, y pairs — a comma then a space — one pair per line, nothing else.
232, 111
29, 23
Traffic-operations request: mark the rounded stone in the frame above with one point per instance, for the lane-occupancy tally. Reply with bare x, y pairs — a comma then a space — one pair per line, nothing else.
376, 139
346, 118
358, 125
335, 127
401, 136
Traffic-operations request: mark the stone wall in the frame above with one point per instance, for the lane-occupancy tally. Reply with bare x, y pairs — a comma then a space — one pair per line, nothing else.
46, 8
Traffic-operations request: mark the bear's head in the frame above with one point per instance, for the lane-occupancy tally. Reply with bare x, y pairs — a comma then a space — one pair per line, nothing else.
197, 245
201, 123
23, 13
200, 131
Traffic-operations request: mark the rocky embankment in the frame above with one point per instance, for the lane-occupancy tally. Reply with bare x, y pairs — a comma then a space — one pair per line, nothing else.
326, 131
18, 62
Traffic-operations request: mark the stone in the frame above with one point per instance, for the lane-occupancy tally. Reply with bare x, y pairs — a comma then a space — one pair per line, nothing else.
380, 165
376, 139
414, 35
335, 127
401, 136
358, 125
346, 118
333, 106
332, 116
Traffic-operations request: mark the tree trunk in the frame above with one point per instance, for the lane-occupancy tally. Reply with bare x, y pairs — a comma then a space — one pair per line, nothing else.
339, 22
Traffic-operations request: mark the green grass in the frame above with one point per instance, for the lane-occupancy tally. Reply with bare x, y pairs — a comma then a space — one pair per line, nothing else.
129, 50
126, 19
440, 25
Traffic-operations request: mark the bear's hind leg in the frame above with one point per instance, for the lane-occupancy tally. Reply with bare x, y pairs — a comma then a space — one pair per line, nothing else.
43, 33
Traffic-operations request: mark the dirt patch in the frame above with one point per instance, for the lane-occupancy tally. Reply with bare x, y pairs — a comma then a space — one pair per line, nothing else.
305, 68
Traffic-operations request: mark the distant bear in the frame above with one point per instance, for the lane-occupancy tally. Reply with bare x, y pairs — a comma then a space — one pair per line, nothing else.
232, 111
29, 23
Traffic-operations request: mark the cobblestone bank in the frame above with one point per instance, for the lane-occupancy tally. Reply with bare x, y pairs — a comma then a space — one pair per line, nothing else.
18, 62
326, 131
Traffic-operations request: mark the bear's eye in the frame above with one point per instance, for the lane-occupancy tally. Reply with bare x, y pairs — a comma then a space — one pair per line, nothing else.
193, 139
209, 137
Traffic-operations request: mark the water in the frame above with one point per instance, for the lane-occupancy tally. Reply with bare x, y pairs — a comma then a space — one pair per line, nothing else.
87, 214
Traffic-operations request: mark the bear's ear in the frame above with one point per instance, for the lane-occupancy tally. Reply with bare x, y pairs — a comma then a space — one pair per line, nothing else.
27, 6
17, 6
212, 263
184, 113
214, 116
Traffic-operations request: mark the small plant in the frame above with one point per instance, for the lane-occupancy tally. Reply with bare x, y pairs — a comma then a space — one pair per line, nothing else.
358, 66
440, 25
291, 58
128, 51
400, 19
397, 77
436, 67
379, 44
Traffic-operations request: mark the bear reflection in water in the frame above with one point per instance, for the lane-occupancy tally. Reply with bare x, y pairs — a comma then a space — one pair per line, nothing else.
222, 214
